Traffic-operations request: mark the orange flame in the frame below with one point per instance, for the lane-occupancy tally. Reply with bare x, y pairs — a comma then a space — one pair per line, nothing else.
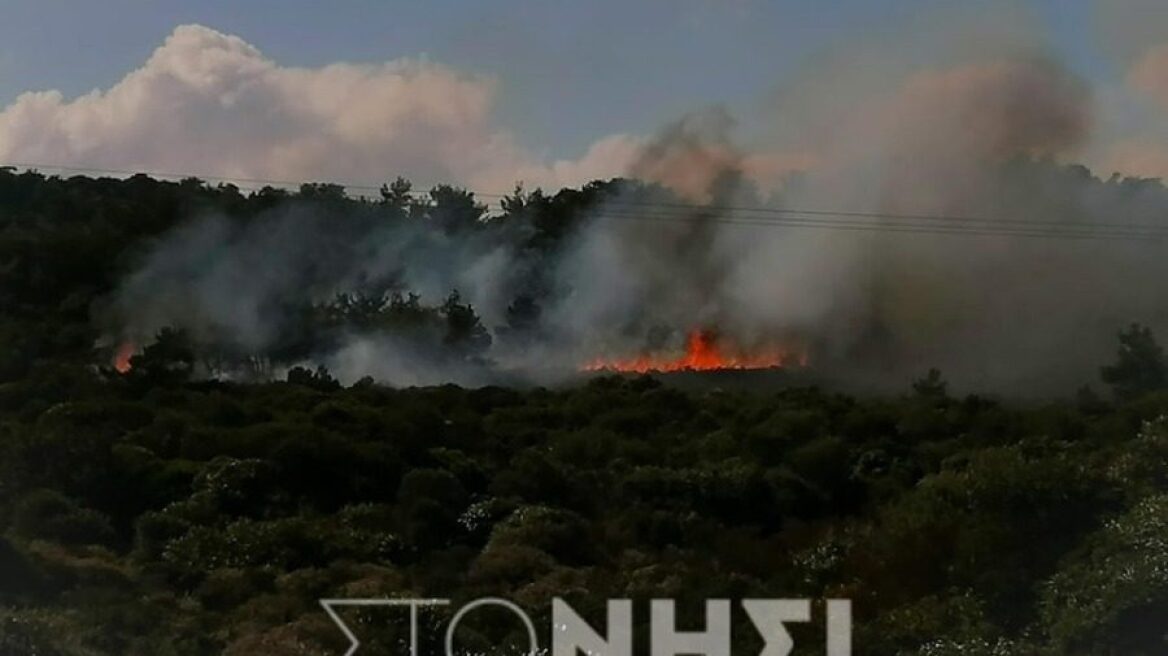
703, 352
121, 362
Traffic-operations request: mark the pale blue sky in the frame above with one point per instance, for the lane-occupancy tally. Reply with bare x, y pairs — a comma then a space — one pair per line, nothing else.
570, 71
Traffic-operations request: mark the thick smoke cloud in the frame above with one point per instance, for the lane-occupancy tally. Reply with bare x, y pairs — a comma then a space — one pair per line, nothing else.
993, 311
243, 284
962, 130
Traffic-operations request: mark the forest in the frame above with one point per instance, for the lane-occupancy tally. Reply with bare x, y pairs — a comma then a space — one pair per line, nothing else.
194, 496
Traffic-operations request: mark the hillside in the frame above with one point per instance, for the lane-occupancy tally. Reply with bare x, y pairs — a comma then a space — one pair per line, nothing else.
158, 510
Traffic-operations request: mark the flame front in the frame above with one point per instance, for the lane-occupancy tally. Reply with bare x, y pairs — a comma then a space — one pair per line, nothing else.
121, 361
703, 352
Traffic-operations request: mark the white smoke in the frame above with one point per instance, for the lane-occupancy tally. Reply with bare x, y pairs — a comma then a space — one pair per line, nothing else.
210, 103
949, 133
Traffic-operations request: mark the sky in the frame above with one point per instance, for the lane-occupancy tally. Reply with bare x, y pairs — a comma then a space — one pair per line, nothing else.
562, 76
570, 70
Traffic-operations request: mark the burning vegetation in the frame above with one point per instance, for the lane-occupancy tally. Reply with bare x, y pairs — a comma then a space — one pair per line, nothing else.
433, 288
122, 356
1034, 507
705, 350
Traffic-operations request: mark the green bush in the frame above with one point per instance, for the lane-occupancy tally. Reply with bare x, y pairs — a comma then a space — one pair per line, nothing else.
50, 515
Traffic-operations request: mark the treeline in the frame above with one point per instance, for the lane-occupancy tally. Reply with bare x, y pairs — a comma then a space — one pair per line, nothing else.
70, 246
66, 244
451, 330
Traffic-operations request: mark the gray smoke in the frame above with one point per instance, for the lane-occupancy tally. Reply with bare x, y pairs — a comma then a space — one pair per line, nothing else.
968, 130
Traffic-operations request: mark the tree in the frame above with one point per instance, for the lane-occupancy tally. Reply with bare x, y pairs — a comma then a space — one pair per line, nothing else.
397, 193
324, 191
398, 197
454, 209
320, 379
522, 326
521, 202
170, 359
464, 331
1139, 367
932, 386
50, 515
523, 314
429, 503
515, 203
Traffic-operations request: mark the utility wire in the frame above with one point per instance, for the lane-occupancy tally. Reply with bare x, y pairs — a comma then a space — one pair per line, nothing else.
910, 228
1068, 229
759, 216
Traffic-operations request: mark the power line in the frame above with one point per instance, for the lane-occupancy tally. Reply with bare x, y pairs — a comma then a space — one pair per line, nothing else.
907, 228
801, 218
765, 216
888, 215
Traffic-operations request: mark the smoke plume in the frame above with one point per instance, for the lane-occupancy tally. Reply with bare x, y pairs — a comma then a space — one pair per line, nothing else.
971, 255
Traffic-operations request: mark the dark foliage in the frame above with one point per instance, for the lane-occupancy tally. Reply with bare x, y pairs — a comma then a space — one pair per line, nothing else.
151, 513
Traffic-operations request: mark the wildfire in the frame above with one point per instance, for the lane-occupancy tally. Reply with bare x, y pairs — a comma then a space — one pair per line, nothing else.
121, 361
703, 352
